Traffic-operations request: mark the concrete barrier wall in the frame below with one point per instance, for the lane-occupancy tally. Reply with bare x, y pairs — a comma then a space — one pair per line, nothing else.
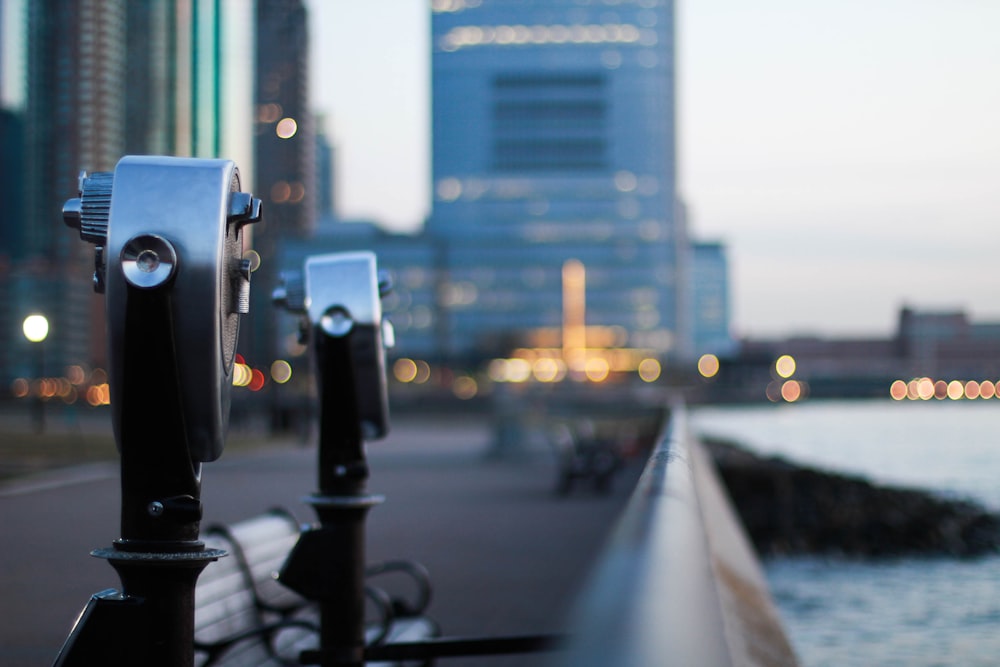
679, 583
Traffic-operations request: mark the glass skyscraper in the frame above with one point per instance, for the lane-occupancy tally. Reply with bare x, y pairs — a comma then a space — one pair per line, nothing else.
284, 157
75, 91
99, 79
554, 140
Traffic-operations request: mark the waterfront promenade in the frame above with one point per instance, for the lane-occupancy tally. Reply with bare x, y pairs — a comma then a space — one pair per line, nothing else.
505, 554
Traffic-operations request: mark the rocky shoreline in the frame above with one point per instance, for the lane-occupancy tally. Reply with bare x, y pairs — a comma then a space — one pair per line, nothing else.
791, 509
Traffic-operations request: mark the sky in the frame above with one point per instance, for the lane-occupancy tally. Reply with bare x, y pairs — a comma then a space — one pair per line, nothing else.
847, 153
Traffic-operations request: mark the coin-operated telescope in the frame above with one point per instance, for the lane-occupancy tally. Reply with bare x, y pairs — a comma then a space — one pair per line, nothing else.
339, 298
169, 258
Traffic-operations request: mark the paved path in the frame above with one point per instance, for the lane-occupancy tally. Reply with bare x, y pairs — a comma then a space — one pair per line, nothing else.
505, 554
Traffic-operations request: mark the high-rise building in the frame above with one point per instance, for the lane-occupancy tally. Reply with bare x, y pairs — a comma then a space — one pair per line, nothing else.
284, 132
326, 173
12, 348
710, 299
73, 121
105, 78
554, 140
189, 80
12, 77
284, 157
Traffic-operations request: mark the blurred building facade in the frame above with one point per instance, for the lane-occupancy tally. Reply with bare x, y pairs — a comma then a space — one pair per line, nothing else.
932, 354
551, 143
99, 80
709, 299
412, 261
554, 140
74, 91
326, 176
284, 143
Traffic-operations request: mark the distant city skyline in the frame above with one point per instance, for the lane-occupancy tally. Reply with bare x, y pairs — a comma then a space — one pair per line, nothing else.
847, 153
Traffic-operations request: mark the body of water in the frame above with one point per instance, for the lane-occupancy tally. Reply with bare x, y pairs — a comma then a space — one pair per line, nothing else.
918, 612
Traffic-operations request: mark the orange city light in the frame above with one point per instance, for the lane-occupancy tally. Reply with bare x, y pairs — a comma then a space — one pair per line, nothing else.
708, 365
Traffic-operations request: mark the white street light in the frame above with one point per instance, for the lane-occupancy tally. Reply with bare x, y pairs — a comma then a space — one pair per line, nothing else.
36, 328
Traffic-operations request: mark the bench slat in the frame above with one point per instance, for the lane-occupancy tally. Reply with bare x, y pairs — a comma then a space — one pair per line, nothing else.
239, 597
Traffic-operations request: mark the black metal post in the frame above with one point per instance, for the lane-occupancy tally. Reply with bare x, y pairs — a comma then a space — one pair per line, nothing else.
328, 563
40, 375
159, 556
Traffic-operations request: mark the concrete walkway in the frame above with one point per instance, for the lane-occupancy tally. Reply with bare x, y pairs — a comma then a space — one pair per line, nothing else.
506, 555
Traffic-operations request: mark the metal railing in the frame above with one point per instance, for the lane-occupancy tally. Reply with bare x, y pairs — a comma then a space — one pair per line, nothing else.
678, 583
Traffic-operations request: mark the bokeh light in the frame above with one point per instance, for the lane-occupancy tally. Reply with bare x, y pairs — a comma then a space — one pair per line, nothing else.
281, 371
785, 366
286, 128
98, 394
972, 390
465, 387
597, 369
708, 365
897, 391
925, 389
547, 369
791, 391
405, 370
256, 380
36, 328
518, 370
649, 370
955, 390
20, 387
75, 375
423, 372
281, 192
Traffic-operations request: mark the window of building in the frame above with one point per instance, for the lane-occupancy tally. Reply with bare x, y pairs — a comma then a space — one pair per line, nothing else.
550, 121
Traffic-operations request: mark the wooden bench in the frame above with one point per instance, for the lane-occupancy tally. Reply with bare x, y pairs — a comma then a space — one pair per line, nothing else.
244, 616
